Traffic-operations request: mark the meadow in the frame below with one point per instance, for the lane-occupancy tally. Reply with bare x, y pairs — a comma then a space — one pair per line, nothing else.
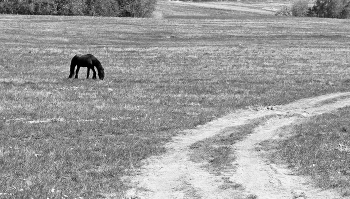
319, 148
77, 138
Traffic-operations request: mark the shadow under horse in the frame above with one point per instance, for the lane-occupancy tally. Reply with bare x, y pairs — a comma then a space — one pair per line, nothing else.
88, 61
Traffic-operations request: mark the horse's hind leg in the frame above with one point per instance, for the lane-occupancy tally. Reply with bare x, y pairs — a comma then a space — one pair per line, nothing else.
88, 73
77, 71
72, 67
94, 73
71, 74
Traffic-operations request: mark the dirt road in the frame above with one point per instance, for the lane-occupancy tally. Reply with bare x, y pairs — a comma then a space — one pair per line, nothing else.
173, 175
231, 6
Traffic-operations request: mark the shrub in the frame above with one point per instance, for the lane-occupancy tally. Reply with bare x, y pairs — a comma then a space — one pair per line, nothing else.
137, 8
300, 8
284, 11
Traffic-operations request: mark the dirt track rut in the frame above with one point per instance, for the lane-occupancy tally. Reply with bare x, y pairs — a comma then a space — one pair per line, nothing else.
173, 175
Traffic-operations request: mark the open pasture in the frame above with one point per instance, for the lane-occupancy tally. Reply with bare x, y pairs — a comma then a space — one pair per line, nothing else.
73, 138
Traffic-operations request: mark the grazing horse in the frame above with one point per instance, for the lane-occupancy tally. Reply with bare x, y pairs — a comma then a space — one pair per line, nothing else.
88, 61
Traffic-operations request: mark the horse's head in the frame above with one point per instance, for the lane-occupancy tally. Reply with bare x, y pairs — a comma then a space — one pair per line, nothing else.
100, 69
101, 74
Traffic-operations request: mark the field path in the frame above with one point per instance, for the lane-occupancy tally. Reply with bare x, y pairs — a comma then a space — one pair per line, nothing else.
231, 6
174, 175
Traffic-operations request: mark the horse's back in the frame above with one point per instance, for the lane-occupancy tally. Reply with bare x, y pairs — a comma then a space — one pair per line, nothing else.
84, 60
87, 60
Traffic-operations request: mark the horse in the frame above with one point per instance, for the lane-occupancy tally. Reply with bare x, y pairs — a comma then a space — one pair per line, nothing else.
88, 61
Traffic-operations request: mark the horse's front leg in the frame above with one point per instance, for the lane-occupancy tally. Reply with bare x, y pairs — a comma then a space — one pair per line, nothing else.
94, 73
71, 71
77, 71
88, 73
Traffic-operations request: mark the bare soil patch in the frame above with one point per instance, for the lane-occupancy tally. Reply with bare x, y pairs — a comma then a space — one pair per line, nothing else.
234, 6
174, 175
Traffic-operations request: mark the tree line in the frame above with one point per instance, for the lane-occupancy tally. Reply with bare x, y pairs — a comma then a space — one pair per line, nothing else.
115, 8
321, 8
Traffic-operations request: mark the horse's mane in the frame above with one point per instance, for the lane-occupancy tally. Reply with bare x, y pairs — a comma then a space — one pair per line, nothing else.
74, 59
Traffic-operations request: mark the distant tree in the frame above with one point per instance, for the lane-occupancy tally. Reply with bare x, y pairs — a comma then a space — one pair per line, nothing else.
5, 8
106, 8
45, 7
76, 7
23, 7
331, 8
62, 7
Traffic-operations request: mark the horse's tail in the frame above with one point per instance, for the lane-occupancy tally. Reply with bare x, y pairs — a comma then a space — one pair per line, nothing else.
73, 63
100, 69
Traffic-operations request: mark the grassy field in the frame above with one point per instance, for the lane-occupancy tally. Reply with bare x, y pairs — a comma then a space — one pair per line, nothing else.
63, 138
320, 148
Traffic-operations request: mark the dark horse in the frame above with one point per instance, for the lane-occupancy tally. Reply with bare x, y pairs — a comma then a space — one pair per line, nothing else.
88, 61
